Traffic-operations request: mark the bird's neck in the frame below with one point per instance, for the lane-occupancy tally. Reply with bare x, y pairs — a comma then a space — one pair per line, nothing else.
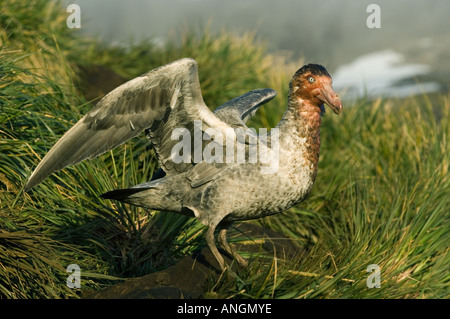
300, 130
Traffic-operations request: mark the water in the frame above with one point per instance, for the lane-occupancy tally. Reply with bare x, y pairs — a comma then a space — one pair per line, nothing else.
330, 34
383, 73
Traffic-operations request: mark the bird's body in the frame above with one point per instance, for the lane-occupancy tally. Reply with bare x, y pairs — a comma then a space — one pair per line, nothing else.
216, 188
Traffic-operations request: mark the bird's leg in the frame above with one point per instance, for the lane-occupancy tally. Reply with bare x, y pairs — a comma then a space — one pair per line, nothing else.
210, 241
222, 238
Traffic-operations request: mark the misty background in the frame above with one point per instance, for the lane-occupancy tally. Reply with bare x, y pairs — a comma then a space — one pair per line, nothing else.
412, 46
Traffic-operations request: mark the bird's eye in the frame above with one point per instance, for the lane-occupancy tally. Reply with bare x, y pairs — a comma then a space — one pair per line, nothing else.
311, 79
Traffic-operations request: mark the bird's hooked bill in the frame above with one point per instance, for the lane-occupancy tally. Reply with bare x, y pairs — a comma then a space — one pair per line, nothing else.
328, 96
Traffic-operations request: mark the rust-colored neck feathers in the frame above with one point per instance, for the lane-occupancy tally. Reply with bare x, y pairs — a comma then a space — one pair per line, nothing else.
302, 119
310, 88
303, 122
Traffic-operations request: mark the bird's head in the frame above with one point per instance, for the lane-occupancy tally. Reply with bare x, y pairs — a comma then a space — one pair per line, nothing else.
313, 85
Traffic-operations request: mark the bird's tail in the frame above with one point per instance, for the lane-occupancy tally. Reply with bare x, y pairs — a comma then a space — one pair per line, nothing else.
121, 194
151, 195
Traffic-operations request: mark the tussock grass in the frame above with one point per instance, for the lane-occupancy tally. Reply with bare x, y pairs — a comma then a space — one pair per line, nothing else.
46, 45
381, 194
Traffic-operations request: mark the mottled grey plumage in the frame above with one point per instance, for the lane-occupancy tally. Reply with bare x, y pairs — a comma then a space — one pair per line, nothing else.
215, 192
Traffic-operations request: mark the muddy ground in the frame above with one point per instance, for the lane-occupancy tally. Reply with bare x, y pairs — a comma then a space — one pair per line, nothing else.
193, 275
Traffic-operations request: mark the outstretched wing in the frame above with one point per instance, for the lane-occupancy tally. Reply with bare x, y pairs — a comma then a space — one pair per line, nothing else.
159, 101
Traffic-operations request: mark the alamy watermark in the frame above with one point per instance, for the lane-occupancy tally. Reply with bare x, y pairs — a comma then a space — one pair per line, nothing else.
73, 280
228, 145
374, 279
374, 19
74, 19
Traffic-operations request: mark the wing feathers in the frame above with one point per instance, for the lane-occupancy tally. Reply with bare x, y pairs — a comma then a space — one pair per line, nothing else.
142, 103
159, 101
